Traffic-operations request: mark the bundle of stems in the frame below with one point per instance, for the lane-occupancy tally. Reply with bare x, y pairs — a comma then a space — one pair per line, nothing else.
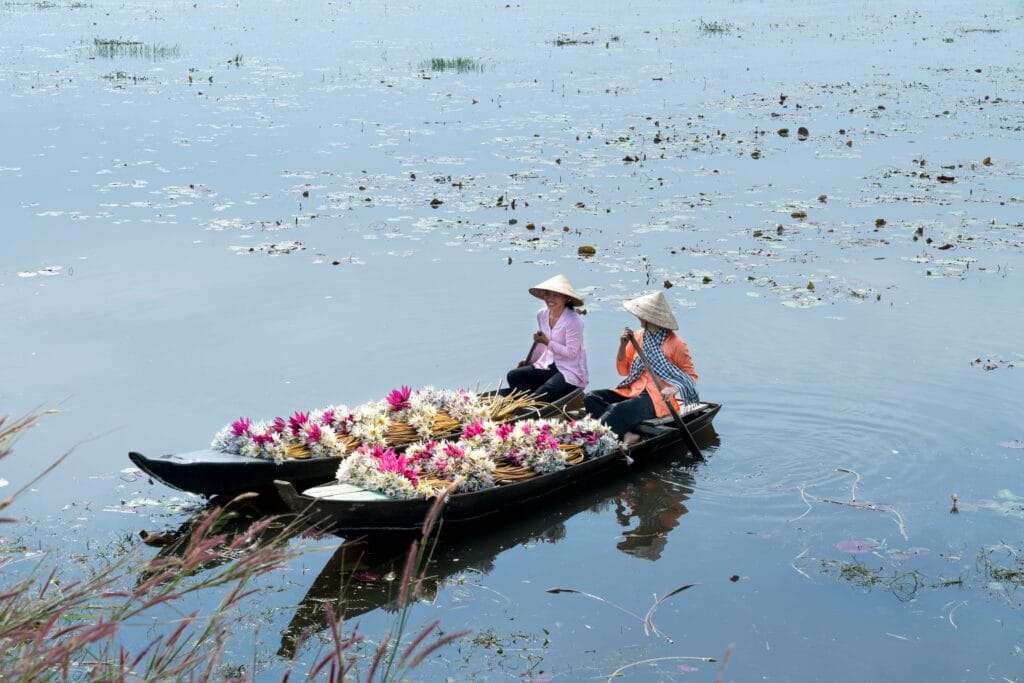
508, 472
301, 451
403, 434
297, 451
512, 406
574, 454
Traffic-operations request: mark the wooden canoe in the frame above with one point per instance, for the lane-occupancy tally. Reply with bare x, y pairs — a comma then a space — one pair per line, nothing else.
344, 509
213, 473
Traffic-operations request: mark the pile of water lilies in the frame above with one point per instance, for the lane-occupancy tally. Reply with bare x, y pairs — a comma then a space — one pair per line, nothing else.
414, 444
403, 417
485, 455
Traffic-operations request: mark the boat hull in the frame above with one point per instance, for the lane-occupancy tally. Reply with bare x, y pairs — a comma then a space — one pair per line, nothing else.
212, 473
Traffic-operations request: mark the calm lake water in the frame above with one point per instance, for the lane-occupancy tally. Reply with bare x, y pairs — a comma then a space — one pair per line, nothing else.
227, 211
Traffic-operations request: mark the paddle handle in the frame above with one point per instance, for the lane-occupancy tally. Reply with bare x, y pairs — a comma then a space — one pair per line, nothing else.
529, 354
690, 441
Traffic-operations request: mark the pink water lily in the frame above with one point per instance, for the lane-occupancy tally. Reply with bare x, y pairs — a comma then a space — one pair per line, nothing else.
279, 425
263, 439
855, 547
241, 426
547, 441
312, 433
424, 451
376, 451
398, 399
474, 428
296, 421
503, 431
327, 418
342, 424
390, 461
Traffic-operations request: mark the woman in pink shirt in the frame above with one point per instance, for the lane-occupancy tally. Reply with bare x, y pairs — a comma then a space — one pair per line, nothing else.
558, 361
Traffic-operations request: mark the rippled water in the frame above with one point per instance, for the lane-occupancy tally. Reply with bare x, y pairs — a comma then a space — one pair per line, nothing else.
163, 271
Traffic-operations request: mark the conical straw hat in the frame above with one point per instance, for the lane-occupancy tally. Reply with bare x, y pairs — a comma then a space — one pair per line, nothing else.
653, 308
559, 284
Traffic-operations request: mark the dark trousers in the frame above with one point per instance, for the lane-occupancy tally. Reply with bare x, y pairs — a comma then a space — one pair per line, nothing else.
549, 385
618, 412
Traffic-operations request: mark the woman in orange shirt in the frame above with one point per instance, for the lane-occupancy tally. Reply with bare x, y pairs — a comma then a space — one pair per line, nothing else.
637, 397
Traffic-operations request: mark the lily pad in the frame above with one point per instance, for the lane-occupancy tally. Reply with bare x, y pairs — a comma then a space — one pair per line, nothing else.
804, 302
855, 547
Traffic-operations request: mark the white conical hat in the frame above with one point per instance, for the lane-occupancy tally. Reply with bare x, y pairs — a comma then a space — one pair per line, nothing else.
559, 284
654, 309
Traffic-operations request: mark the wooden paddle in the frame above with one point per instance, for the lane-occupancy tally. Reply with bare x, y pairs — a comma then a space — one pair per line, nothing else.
690, 441
529, 354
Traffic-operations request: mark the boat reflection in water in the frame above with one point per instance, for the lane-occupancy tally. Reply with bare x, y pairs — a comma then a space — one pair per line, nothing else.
655, 507
365, 574
240, 525
652, 504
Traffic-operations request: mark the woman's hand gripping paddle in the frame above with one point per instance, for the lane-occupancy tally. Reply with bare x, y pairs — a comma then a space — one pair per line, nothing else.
690, 441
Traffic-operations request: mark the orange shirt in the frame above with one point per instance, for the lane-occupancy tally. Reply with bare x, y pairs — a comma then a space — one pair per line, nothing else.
675, 351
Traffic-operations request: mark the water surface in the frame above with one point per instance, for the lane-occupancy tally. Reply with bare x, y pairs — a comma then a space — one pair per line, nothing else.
240, 223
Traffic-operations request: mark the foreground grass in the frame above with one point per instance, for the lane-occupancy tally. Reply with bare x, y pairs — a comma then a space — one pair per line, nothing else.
52, 629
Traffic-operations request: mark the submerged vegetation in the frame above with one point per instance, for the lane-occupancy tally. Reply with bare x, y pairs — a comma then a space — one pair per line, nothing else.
904, 585
46, 4
715, 27
457, 64
1003, 566
562, 41
114, 48
122, 76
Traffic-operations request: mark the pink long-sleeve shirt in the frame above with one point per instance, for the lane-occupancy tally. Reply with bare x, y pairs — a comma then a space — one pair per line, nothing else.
566, 349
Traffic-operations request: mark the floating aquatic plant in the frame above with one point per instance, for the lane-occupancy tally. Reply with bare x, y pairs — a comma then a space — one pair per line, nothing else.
715, 27
458, 64
1003, 564
904, 585
117, 47
562, 41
